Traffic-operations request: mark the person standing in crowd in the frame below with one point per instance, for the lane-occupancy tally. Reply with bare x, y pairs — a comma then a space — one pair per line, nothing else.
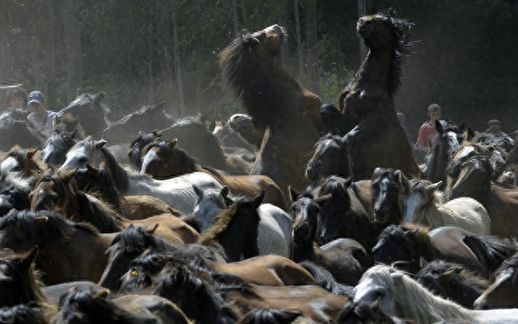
41, 118
427, 132
16, 99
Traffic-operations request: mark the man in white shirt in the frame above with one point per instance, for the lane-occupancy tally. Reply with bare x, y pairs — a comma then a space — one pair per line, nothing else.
41, 118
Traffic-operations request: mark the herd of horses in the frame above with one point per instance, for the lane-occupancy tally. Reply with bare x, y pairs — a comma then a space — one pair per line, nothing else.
296, 213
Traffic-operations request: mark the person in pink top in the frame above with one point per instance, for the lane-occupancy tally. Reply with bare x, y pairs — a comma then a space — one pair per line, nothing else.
427, 132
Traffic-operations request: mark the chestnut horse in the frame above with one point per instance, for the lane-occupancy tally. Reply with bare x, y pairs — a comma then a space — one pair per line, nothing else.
374, 136
276, 102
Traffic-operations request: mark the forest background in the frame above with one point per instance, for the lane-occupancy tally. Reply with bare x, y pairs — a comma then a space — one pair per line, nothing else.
145, 51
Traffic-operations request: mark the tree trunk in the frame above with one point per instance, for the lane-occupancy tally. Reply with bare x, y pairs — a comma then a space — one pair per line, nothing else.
177, 61
298, 36
312, 46
72, 48
235, 19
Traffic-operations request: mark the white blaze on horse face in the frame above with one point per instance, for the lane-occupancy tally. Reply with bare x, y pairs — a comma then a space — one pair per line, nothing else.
148, 158
411, 203
8, 165
76, 159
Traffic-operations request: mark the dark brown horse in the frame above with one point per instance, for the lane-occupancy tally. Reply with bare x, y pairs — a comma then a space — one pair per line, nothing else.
374, 136
89, 306
502, 293
67, 251
474, 180
276, 102
345, 259
235, 229
20, 284
329, 158
409, 243
387, 196
346, 214
452, 281
25, 162
138, 144
163, 160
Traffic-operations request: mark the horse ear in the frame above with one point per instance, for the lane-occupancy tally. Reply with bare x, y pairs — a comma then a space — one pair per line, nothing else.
99, 97
198, 191
323, 200
224, 192
172, 143
31, 152
293, 194
434, 186
462, 127
102, 294
100, 143
402, 179
438, 127
30, 256
422, 262
258, 200
469, 134
151, 231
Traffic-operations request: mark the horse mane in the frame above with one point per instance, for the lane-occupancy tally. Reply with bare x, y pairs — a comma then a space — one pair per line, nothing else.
61, 139
492, 250
413, 300
32, 290
24, 313
98, 213
119, 174
470, 278
337, 187
256, 81
199, 287
269, 316
55, 229
97, 309
511, 262
401, 46
137, 239
223, 220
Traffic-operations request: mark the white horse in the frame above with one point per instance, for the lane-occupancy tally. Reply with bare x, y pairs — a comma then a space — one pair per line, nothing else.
177, 192
274, 232
423, 204
399, 295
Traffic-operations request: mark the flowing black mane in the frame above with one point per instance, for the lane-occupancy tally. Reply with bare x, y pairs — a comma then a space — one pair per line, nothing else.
54, 229
79, 304
255, 80
401, 47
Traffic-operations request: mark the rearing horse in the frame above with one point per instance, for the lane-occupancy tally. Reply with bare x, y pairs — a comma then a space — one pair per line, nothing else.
366, 107
277, 103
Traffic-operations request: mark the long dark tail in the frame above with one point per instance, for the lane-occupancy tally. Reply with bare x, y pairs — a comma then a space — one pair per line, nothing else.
326, 280
491, 250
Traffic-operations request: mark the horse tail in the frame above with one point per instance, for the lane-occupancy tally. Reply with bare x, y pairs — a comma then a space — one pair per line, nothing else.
491, 250
326, 280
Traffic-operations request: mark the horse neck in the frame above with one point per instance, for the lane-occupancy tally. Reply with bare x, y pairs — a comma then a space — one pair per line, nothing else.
305, 250
375, 69
105, 219
437, 164
120, 176
416, 303
433, 211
